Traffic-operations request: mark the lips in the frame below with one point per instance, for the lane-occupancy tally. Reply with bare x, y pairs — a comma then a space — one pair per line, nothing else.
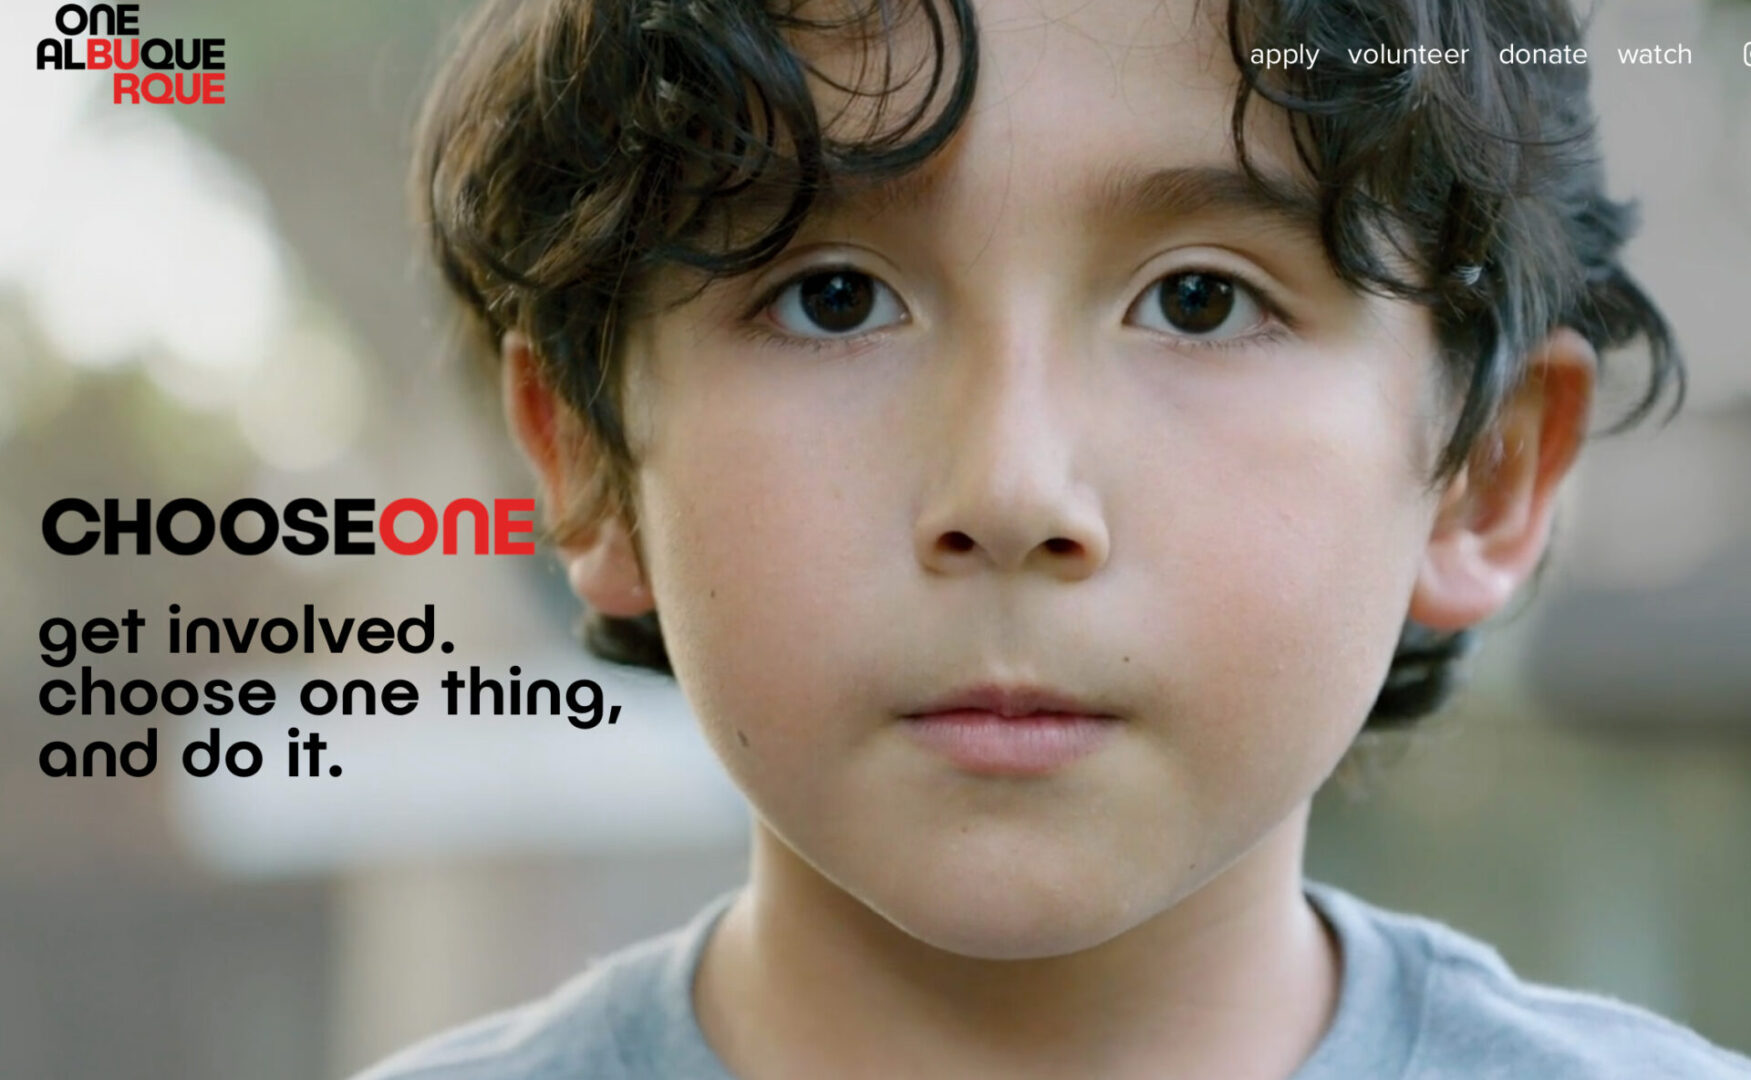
1012, 702
1011, 731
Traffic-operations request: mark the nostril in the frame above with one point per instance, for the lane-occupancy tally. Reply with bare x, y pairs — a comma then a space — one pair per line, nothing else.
1058, 545
957, 541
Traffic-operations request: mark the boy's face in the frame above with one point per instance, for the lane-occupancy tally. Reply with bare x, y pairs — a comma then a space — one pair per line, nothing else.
1016, 457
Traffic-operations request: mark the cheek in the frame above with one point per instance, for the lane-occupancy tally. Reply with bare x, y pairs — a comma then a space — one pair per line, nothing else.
1291, 539
763, 541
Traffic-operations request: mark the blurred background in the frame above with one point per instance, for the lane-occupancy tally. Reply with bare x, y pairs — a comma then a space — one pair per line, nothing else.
226, 301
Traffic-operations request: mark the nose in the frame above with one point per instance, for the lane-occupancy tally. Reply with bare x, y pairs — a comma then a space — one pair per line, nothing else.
1005, 493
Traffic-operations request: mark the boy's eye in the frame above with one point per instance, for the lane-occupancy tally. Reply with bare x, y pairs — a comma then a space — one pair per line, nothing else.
835, 302
1201, 304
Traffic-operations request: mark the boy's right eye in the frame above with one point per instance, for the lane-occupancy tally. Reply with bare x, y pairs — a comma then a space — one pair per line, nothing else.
833, 302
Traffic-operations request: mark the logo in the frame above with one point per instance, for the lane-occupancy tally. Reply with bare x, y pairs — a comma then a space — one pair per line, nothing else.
106, 37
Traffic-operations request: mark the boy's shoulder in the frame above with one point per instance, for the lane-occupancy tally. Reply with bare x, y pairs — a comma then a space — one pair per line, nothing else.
1419, 1001
1422, 1000
628, 1015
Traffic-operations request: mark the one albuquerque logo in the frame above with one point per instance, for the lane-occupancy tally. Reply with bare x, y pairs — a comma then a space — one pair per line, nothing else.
106, 37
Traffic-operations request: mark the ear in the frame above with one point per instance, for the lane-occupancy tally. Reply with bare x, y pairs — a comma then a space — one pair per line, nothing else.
602, 564
1494, 520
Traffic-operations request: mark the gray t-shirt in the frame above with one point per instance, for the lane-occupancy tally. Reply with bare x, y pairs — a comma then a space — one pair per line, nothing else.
1418, 1001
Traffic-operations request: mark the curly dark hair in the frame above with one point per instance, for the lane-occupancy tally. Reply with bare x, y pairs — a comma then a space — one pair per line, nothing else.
570, 149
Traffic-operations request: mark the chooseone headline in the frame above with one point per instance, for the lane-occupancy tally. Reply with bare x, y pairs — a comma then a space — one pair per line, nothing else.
306, 526
303, 526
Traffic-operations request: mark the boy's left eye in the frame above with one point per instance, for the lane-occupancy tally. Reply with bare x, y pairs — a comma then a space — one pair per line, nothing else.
1201, 305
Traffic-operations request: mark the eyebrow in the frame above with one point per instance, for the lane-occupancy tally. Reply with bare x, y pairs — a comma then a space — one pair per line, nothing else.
1124, 193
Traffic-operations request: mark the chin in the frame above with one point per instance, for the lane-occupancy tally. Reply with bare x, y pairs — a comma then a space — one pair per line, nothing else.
996, 913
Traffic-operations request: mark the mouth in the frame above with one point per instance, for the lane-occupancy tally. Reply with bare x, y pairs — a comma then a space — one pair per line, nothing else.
1011, 731
1012, 703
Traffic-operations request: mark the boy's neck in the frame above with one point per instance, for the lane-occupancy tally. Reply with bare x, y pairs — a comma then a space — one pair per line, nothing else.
1239, 979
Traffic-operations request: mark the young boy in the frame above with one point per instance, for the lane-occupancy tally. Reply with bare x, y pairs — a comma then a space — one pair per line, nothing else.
1048, 431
